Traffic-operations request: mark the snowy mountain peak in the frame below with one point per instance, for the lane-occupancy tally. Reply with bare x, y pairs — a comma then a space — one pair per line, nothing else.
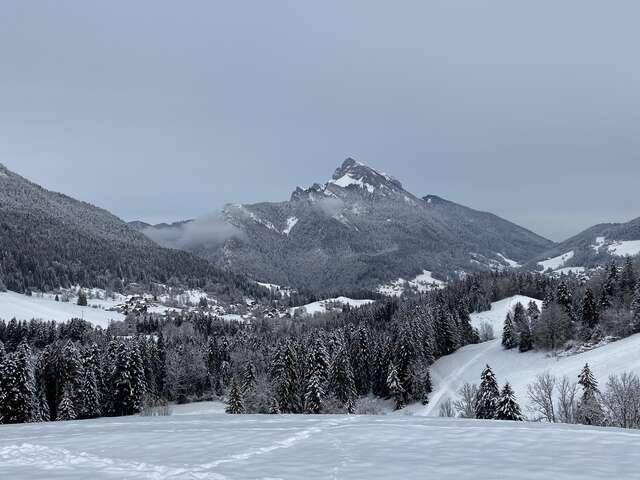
355, 173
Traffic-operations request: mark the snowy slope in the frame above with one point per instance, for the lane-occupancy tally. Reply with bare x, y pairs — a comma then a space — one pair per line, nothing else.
22, 307
217, 447
465, 365
422, 283
323, 306
625, 247
556, 262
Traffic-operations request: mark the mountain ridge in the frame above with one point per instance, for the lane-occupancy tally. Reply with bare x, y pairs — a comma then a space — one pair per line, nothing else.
360, 228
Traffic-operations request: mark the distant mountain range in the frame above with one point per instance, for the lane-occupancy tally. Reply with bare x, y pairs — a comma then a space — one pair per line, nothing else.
49, 240
359, 229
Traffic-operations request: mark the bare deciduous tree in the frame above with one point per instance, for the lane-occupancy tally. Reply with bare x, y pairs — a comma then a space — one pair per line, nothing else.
621, 401
465, 405
540, 394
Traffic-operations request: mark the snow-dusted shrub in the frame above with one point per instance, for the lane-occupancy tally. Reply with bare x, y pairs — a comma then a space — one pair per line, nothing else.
158, 408
370, 406
446, 409
486, 332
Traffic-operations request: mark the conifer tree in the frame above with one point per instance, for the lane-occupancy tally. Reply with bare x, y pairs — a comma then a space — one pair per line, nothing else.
343, 382
589, 310
66, 409
11, 402
635, 309
508, 334
82, 299
89, 396
284, 374
589, 409
313, 395
248, 377
533, 312
395, 387
236, 405
274, 408
627, 278
45, 414
564, 298
526, 339
488, 395
508, 408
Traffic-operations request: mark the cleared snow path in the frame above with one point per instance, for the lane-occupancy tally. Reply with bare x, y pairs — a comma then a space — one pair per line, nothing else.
218, 446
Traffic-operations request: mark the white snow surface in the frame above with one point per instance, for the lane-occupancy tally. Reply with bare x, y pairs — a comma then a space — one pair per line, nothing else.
422, 283
599, 243
508, 261
214, 446
495, 317
347, 180
623, 248
323, 306
449, 373
556, 262
23, 307
570, 270
291, 222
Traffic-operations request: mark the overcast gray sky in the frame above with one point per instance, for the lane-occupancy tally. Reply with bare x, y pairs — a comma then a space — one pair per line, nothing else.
167, 110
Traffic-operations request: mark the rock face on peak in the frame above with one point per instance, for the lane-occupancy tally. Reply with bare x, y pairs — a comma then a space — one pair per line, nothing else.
359, 229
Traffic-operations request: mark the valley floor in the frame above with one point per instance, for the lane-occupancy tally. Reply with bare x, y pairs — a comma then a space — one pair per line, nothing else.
211, 445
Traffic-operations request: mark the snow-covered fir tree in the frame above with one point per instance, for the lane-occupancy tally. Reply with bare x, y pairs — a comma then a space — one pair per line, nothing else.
589, 310
488, 395
236, 402
314, 394
508, 408
343, 384
635, 309
508, 333
66, 409
395, 387
589, 410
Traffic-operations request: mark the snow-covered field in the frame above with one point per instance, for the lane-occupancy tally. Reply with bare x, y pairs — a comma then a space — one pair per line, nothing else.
625, 247
217, 446
556, 262
449, 373
23, 307
323, 306
421, 283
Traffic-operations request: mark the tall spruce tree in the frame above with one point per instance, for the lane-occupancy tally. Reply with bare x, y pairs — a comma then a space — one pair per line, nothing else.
635, 309
314, 394
589, 410
342, 379
488, 395
508, 334
66, 409
395, 387
236, 403
589, 310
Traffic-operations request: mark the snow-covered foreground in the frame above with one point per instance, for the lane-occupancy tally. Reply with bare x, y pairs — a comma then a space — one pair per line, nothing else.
520, 369
218, 446
23, 307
